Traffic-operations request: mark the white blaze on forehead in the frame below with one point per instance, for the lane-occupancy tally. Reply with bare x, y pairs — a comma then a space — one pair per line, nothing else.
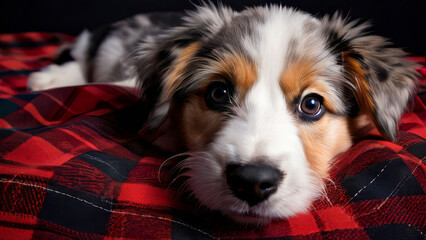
274, 41
266, 127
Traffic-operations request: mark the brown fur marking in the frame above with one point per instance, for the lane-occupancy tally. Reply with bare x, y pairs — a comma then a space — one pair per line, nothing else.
301, 76
196, 122
174, 75
239, 70
363, 93
324, 140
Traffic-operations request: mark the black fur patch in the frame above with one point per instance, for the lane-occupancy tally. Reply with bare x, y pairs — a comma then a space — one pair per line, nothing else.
382, 73
337, 44
64, 56
96, 38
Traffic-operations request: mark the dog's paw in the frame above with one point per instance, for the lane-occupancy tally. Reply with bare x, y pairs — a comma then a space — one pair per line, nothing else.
54, 76
42, 80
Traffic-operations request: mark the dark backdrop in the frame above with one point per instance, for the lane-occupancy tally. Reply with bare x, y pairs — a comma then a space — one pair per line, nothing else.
404, 22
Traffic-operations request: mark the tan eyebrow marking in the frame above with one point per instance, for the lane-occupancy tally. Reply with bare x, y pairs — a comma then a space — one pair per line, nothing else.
239, 70
301, 76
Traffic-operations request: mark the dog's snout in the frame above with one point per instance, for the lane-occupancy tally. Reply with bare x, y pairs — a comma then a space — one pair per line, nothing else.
253, 183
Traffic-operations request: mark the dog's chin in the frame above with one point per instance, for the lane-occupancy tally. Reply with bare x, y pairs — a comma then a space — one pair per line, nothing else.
249, 218
269, 211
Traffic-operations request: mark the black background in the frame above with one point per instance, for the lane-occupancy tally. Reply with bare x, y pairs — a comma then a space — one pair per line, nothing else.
404, 22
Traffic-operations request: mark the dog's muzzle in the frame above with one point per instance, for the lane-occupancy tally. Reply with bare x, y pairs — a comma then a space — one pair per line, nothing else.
253, 183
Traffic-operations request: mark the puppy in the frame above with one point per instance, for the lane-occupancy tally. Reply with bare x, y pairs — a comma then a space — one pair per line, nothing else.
260, 101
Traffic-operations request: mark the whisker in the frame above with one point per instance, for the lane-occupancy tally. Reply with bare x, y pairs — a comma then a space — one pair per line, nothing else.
331, 181
167, 161
323, 186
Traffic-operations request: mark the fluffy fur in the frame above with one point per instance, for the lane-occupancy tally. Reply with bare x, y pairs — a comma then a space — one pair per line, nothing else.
270, 60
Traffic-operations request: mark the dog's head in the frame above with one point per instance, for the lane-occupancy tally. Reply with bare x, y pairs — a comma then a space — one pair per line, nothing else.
264, 99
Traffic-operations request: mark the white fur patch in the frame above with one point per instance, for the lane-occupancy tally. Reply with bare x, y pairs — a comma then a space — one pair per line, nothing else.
80, 47
54, 76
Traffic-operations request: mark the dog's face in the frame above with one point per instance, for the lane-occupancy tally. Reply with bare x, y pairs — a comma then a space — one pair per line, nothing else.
264, 99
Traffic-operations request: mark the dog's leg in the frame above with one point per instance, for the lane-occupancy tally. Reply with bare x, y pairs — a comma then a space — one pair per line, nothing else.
53, 76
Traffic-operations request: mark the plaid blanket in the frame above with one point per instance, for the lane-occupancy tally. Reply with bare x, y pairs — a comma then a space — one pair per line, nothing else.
72, 166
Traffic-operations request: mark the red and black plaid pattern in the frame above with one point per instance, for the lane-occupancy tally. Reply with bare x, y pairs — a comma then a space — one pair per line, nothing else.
73, 166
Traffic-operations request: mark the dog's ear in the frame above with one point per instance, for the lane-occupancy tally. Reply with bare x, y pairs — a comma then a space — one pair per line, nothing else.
381, 79
162, 63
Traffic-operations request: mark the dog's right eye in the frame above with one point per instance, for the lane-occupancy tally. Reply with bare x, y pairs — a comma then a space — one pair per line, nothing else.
311, 108
218, 96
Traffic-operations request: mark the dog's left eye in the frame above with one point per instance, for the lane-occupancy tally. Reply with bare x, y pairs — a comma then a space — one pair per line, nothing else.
217, 96
311, 108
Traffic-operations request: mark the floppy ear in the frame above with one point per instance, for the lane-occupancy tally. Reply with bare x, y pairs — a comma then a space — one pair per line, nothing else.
162, 64
382, 80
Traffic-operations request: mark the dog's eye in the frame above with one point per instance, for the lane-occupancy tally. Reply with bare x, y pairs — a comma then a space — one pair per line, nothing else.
310, 105
311, 108
217, 96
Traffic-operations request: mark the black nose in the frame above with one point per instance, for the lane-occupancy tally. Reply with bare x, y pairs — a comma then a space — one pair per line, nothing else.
253, 183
